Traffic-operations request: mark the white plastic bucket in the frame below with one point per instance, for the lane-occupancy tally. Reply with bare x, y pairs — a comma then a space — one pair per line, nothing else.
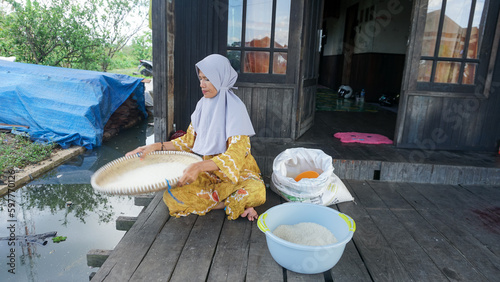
302, 258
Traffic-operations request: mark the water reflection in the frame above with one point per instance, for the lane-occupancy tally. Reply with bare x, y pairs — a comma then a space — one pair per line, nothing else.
77, 199
63, 201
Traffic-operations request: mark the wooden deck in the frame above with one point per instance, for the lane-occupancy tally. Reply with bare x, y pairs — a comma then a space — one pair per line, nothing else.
404, 232
446, 228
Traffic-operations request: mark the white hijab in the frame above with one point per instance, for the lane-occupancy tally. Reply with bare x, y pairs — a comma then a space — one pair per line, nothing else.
216, 119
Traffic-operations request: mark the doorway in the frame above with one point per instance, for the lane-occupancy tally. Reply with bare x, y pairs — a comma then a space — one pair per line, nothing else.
364, 49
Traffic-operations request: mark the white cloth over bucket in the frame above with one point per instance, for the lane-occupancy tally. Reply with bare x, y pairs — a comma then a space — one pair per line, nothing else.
326, 189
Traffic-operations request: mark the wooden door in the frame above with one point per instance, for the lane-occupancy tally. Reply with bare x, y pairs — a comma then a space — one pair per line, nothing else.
309, 65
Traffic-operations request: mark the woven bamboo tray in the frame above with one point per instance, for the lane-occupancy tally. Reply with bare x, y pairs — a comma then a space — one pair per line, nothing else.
130, 176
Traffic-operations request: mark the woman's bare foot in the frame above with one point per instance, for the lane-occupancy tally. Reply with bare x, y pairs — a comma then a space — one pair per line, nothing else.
250, 213
219, 206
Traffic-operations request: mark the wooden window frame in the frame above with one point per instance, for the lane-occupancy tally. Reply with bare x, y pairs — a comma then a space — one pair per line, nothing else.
291, 50
488, 49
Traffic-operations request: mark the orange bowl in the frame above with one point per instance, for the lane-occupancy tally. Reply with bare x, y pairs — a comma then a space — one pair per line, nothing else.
307, 174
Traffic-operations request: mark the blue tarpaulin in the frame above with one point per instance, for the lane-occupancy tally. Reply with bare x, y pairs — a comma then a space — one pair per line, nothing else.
65, 106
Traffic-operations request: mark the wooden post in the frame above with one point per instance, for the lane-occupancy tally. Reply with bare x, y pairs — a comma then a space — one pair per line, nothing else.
170, 66
160, 68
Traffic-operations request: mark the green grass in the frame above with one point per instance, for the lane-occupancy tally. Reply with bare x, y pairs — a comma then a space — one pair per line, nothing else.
17, 152
127, 71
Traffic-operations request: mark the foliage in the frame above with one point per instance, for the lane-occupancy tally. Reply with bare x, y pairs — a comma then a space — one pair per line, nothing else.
4, 41
110, 22
58, 239
68, 33
126, 61
123, 59
130, 72
55, 34
143, 47
18, 151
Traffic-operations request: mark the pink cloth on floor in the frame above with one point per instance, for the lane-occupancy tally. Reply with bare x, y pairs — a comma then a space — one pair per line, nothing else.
366, 138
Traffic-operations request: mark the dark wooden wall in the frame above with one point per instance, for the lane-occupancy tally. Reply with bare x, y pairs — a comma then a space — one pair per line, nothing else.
377, 73
200, 30
490, 135
270, 108
330, 71
448, 123
452, 121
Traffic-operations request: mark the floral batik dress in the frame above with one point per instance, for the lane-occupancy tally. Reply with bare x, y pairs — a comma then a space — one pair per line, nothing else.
237, 182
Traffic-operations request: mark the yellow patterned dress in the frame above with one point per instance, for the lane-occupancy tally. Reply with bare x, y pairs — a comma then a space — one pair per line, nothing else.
237, 182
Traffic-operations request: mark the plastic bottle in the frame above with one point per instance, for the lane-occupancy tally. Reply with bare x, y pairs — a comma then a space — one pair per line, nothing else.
362, 95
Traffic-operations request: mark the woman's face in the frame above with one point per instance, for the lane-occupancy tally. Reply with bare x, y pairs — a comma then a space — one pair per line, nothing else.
206, 86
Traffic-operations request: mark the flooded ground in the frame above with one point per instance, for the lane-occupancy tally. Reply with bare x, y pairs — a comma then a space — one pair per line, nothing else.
63, 201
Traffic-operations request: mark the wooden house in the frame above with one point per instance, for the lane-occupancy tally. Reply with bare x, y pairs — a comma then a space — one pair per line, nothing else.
440, 57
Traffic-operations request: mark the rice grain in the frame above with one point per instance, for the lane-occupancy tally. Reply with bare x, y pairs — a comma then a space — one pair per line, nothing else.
305, 233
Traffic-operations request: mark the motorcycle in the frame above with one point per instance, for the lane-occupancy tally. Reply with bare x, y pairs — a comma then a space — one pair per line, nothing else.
147, 67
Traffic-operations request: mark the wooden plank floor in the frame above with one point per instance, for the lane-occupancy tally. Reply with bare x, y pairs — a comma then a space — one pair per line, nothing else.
404, 232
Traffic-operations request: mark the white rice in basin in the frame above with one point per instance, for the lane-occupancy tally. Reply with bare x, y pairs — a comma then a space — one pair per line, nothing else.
305, 233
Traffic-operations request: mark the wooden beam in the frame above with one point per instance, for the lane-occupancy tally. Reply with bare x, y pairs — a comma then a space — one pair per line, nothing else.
96, 257
14, 125
143, 200
124, 223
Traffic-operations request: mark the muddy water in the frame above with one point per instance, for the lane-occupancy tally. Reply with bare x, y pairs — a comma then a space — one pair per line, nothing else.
63, 201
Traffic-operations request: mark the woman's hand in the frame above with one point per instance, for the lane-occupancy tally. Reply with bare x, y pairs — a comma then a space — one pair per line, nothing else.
193, 170
190, 174
143, 150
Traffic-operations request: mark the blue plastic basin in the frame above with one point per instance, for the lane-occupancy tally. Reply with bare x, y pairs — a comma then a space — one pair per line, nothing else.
302, 258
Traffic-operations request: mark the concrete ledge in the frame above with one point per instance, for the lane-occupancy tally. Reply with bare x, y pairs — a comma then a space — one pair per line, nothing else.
416, 172
404, 172
31, 172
